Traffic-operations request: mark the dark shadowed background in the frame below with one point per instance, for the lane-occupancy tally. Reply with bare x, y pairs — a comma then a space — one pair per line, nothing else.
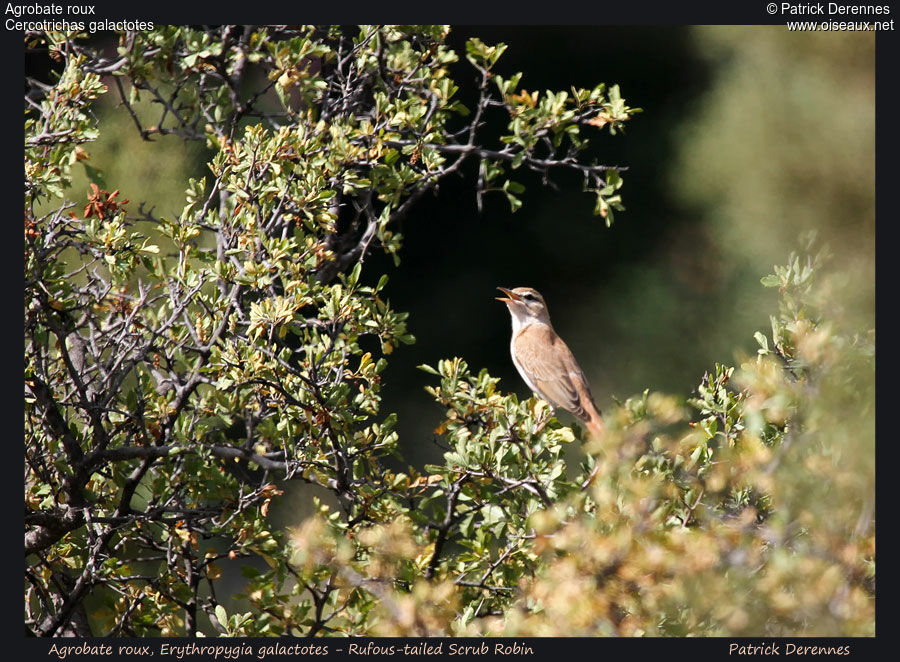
737, 152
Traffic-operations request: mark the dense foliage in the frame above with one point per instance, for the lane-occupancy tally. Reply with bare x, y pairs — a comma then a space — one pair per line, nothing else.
180, 370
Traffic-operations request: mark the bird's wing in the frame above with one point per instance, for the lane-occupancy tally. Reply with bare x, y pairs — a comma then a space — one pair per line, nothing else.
555, 373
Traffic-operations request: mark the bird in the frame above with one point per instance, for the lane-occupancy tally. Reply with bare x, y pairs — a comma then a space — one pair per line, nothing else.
545, 362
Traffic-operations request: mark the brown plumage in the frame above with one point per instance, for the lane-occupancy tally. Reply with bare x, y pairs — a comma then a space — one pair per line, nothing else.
545, 362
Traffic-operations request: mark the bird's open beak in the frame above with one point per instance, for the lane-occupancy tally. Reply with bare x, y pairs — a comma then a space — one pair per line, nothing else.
510, 296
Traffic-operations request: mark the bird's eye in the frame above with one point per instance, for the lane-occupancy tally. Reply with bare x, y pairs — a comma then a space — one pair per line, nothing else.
529, 296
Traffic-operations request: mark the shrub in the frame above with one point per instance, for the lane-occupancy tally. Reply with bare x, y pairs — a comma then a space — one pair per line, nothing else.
180, 370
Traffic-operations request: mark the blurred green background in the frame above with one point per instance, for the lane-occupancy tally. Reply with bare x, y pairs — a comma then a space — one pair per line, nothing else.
749, 137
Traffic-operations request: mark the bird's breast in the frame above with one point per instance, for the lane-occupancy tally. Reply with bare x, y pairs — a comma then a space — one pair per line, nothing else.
523, 371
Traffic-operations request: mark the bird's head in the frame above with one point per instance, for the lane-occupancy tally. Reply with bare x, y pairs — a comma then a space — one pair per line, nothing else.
525, 304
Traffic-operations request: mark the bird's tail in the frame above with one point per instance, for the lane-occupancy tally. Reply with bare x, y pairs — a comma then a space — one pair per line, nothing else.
595, 427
